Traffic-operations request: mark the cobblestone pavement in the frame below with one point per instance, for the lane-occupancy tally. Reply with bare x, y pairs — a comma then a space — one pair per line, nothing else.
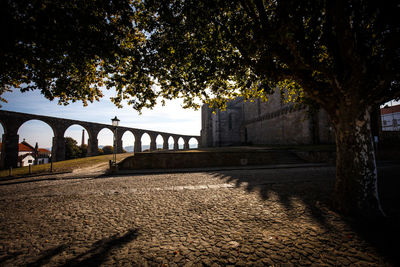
247, 217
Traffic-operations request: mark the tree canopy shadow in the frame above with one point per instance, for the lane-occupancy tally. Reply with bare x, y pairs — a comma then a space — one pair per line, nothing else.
314, 187
101, 249
47, 255
95, 256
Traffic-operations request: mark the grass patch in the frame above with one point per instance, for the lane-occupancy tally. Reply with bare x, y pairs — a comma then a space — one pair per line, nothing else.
64, 166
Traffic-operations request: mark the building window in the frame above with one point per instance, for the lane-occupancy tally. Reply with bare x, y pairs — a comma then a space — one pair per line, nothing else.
29, 161
230, 121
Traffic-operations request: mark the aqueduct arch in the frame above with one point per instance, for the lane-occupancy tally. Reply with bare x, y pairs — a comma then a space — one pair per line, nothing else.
11, 122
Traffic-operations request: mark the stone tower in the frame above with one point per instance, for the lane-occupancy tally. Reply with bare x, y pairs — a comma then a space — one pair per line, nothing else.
83, 137
222, 128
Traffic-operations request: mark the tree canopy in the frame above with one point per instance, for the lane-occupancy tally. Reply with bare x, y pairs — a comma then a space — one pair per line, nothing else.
72, 150
66, 49
205, 50
108, 150
248, 47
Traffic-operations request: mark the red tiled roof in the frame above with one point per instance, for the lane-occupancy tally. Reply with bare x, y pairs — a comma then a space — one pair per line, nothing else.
43, 150
389, 110
23, 147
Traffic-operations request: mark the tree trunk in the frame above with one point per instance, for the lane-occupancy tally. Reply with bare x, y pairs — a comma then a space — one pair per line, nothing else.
356, 190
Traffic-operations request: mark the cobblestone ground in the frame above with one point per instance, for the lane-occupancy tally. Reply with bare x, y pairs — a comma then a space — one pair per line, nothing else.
247, 217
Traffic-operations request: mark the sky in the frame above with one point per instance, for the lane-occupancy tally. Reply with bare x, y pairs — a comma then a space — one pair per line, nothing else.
170, 118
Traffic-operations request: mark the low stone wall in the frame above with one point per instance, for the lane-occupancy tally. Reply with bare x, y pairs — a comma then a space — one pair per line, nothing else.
200, 159
317, 156
389, 139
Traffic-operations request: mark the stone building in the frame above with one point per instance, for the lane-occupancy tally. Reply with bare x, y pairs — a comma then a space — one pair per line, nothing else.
258, 122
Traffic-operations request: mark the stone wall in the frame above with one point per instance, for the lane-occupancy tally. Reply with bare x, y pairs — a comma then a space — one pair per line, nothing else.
271, 122
202, 159
284, 126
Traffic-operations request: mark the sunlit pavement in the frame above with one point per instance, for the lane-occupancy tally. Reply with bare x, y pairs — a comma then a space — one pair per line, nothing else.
238, 217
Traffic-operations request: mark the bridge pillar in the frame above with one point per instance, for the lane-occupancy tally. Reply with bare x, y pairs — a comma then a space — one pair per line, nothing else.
118, 139
199, 144
93, 147
9, 151
153, 143
138, 145
186, 144
176, 145
165, 144
119, 146
58, 151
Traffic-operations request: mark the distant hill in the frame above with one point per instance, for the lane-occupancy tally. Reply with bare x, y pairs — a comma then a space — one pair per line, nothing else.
129, 148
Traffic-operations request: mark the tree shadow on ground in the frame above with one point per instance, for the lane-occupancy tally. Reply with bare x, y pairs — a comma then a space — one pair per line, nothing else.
47, 255
95, 256
315, 187
9, 257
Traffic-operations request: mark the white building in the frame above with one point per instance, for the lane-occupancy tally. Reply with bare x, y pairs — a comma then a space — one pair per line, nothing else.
390, 117
29, 155
25, 160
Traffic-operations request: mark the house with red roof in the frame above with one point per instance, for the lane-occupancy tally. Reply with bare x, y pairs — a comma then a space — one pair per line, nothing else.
29, 155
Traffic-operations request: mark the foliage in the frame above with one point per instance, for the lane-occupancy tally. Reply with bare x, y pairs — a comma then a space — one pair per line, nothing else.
66, 49
72, 150
332, 49
108, 150
206, 50
83, 150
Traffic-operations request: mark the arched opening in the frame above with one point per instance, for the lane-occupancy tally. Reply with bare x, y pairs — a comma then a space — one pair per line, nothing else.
193, 143
76, 142
105, 141
35, 143
181, 142
170, 143
145, 142
128, 141
159, 142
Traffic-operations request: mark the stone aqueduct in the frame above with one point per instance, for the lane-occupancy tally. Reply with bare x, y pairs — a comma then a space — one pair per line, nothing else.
11, 122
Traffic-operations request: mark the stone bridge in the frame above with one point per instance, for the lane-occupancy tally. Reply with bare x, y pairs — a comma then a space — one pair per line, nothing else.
11, 122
